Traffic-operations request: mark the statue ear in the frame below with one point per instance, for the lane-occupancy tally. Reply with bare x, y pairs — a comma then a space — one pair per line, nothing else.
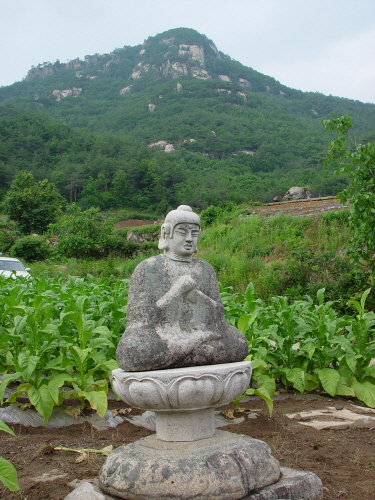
163, 242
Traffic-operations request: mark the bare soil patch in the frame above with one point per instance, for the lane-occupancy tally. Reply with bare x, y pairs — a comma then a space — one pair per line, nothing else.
343, 458
300, 208
133, 223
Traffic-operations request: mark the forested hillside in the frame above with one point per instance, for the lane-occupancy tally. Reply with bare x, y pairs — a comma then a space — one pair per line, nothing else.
225, 131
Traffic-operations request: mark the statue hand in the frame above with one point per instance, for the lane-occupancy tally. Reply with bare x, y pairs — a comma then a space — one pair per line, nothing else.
184, 284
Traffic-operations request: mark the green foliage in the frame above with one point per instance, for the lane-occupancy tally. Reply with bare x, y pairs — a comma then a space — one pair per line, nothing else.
220, 213
63, 333
306, 345
56, 333
31, 248
284, 255
83, 233
8, 474
358, 162
246, 138
33, 205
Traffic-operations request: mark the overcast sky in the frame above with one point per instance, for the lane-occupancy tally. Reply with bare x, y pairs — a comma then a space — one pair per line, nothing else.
326, 46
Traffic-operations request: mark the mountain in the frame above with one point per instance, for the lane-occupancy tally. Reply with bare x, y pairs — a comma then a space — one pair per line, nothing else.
175, 120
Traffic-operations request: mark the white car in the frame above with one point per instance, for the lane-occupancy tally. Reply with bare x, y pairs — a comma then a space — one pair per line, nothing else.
13, 267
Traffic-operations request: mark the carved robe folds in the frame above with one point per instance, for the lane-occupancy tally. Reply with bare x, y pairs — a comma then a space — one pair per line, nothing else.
175, 318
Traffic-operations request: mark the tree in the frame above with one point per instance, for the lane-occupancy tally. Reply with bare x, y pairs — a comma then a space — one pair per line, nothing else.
358, 162
83, 234
33, 205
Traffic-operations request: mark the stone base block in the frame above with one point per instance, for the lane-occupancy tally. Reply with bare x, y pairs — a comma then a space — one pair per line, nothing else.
293, 485
225, 467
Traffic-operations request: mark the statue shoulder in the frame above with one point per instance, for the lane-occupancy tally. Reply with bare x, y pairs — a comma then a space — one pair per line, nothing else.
203, 264
151, 265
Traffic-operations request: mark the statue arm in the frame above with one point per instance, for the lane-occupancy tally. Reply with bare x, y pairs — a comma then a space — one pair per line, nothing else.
182, 286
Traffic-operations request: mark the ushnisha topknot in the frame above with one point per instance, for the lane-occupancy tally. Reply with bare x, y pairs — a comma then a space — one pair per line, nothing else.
182, 215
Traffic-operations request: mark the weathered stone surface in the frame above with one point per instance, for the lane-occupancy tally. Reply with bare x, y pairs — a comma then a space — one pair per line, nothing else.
186, 329
175, 317
194, 52
87, 491
183, 398
183, 388
293, 485
61, 94
297, 193
225, 467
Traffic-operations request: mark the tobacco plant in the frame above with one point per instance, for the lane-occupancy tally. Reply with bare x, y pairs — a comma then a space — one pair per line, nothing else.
58, 338
8, 473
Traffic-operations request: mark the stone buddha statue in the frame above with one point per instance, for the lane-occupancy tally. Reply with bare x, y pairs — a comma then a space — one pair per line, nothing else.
175, 317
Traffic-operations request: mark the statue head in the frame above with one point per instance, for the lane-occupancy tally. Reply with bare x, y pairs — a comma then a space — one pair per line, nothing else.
180, 231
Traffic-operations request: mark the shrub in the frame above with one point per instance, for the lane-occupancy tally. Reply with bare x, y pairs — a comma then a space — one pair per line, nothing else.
118, 246
31, 248
6, 240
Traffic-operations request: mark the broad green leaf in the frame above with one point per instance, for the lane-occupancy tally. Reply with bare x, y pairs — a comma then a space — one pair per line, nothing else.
27, 364
244, 323
329, 378
104, 330
365, 391
263, 393
19, 323
111, 364
97, 399
51, 329
351, 361
100, 342
320, 295
311, 382
364, 297
42, 400
297, 377
268, 382
309, 348
79, 354
7, 378
249, 294
255, 363
344, 390
8, 475
5, 428
55, 383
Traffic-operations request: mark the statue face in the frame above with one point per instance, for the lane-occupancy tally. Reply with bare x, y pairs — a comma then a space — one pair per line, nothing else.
184, 240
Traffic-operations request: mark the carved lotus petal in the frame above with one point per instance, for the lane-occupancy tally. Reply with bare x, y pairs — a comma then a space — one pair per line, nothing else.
195, 392
144, 393
183, 388
236, 383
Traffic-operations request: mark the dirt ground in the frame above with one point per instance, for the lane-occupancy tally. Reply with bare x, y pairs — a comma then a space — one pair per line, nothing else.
297, 208
343, 458
300, 208
133, 223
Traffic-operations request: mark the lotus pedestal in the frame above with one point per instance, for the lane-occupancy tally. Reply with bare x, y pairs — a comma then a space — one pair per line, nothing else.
188, 458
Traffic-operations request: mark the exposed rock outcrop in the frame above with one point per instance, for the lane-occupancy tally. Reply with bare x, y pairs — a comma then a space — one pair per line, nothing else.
174, 69
295, 193
244, 83
61, 94
126, 90
194, 53
225, 78
48, 68
164, 146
